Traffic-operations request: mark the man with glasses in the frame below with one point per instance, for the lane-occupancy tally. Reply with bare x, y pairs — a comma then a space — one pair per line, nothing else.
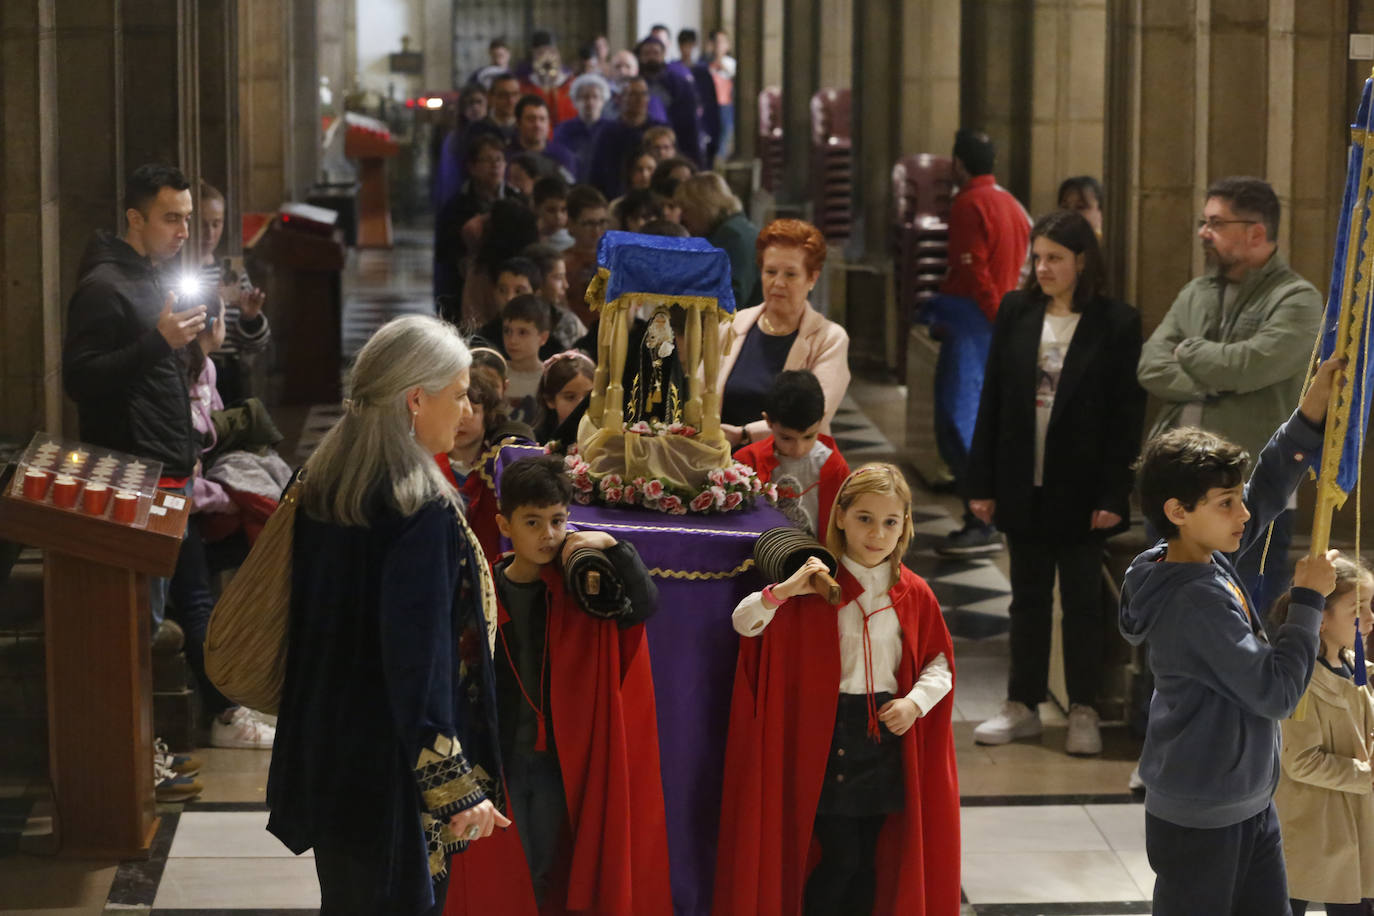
485, 185
1231, 354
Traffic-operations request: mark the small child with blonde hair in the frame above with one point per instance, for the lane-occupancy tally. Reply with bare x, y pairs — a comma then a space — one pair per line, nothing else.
840, 730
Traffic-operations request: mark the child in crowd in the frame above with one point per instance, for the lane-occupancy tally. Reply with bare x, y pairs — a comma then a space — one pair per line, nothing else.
550, 201
488, 412
245, 326
567, 328
588, 221
518, 276
1211, 831
524, 331
843, 744
636, 210
579, 741
794, 409
523, 171
1325, 797
566, 382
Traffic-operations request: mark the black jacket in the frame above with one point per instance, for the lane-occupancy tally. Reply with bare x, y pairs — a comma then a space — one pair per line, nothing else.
129, 385
1095, 425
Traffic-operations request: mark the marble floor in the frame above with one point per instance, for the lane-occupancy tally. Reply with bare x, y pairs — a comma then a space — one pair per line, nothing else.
1043, 833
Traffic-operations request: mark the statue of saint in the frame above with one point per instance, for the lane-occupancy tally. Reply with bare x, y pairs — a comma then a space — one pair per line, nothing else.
659, 391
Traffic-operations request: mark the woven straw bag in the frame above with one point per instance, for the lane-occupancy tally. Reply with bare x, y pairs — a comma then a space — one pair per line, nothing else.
245, 644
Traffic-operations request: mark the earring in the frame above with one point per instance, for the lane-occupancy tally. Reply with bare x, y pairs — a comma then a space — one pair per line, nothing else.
413, 414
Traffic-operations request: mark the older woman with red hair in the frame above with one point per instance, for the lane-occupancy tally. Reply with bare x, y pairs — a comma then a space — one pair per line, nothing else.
785, 332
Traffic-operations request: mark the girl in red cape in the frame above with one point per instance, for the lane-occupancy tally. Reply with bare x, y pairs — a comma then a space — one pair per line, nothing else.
841, 793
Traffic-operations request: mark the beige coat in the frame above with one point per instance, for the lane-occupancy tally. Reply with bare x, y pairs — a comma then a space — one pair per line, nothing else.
821, 346
1325, 797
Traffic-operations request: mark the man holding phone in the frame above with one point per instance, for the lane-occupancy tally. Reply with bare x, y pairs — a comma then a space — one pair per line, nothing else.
225, 283
120, 360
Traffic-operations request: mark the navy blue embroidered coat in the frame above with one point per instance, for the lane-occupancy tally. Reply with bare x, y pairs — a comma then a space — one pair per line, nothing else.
387, 724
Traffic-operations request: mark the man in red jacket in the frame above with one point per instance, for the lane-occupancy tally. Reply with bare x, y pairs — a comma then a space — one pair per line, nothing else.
989, 232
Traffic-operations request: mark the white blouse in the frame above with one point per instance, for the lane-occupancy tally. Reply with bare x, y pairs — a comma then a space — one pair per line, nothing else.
885, 637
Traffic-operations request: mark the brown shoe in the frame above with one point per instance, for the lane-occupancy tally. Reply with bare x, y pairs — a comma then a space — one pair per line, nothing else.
172, 787
168, 638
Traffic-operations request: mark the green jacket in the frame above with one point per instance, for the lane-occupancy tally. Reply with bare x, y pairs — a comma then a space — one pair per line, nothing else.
1247, 370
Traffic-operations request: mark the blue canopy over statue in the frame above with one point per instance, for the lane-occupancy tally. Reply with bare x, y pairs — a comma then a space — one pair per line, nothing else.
632, 264
667, 426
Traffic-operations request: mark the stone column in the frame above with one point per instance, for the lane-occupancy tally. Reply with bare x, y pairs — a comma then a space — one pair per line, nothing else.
1247, 87
304, 93
30, 269
337, 48
800, 80
930, 87
995, 59
217, 25
1068, 98
835, 44
748, 34
876, 118
264, 102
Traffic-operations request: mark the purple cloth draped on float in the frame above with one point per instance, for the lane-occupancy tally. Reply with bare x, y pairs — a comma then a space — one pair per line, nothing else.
703, 565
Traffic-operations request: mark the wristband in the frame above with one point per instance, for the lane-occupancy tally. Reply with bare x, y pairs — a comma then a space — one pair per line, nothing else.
770, 597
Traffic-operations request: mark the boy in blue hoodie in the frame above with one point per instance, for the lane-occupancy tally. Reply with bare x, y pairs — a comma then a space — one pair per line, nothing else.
1211, 757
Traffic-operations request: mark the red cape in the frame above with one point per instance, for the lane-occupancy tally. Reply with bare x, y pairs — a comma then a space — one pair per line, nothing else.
759, 456
481, 507
604, 727
781, 722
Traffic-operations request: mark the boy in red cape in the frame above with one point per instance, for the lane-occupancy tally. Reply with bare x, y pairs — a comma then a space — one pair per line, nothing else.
794, 409
841, 793
579, 739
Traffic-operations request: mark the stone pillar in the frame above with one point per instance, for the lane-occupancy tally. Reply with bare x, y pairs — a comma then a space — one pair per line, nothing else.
1247, 87
876, 119
30, 269
835, 44
89, 115
800, 80
749, 34
265, 157
1068, 97
304, 92
930, 89
773, 38
217, 25
437, 45
337, 48
995, 58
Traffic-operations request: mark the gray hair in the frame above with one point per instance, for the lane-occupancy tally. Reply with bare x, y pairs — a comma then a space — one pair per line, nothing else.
371, 446
594, 80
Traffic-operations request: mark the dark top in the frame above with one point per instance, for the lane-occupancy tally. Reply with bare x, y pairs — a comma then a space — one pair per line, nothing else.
578, 137
1095, 425
761, 358
526, 638
736, 236
129, 385
609, 151
449, 250
1344, 670
387, 658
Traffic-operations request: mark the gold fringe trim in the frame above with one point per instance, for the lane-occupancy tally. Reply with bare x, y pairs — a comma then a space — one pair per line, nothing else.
701, 576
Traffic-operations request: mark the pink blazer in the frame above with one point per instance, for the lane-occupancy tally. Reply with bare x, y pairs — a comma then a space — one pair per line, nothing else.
821, 346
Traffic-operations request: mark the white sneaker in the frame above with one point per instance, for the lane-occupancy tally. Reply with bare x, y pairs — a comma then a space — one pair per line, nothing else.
1085, 739
243, 730
1016, 720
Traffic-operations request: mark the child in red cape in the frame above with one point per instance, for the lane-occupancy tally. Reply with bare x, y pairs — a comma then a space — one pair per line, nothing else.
841, 793
579, 738
794, 409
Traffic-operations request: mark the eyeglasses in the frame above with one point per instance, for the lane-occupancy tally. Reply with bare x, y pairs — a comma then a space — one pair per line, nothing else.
594, 223
1215, 225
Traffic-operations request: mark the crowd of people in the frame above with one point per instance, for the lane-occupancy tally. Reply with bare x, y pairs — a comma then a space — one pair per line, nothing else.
439, 688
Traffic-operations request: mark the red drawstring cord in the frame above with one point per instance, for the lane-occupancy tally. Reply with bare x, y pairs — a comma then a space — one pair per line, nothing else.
541, 742
872, 699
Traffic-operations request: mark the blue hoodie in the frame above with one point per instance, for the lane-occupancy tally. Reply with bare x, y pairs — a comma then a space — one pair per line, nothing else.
1211, 756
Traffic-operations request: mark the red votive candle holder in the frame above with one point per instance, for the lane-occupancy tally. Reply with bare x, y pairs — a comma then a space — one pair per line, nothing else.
95, 498
36, 483
125, 507
64, 491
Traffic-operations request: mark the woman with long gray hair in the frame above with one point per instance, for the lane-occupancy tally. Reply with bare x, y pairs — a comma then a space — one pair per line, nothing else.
386, 758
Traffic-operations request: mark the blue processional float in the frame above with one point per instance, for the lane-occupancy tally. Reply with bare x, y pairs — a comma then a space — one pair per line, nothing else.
1346, 332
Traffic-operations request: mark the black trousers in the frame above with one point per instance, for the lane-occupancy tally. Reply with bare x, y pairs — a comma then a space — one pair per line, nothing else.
192, 600
539, 808
350, 886
1235, 870
844, 881
1033, 565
